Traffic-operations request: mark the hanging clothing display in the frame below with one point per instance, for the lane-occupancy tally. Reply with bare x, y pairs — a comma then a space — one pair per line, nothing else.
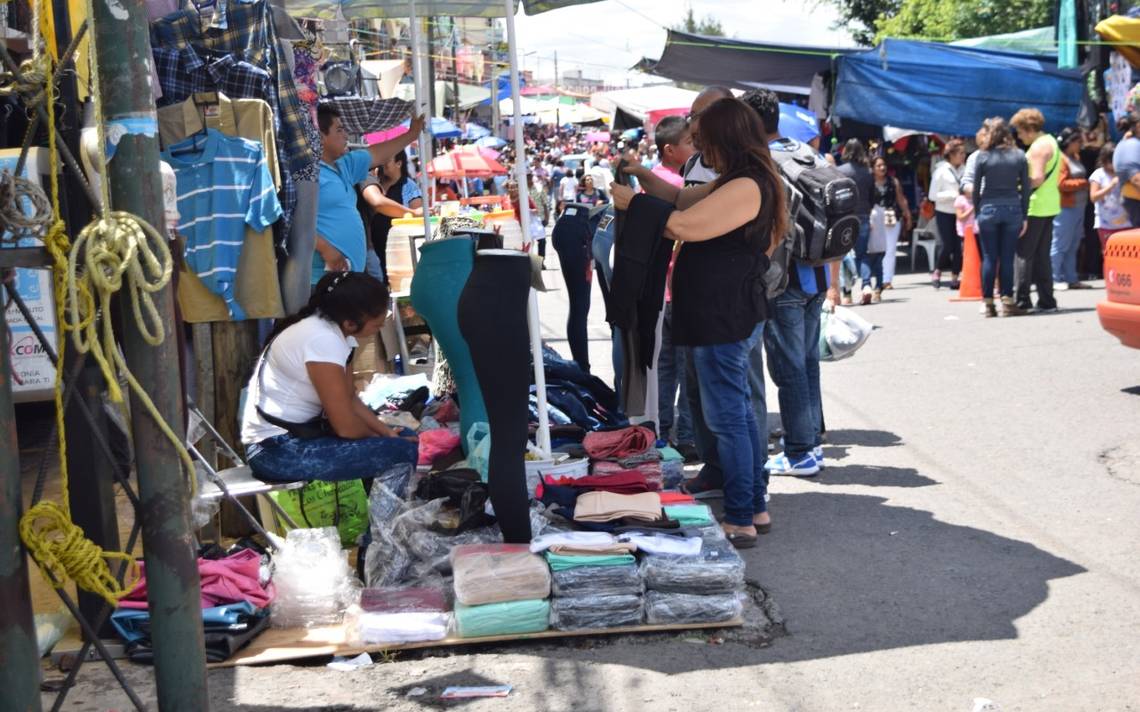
492, 320
360, 116
223, 186
442, 272
257, 288
571, 239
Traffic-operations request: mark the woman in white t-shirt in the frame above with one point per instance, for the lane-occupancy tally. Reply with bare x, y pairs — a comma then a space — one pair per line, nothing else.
1104, 191
302, 418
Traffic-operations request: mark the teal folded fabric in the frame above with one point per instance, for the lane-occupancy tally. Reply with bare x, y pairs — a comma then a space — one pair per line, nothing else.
509, 618
561, 562
689, 515
669, 454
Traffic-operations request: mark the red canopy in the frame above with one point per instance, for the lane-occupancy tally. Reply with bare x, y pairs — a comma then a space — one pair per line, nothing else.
465, 162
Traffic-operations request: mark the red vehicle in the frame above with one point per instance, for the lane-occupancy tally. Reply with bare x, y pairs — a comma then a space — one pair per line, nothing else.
1120, 311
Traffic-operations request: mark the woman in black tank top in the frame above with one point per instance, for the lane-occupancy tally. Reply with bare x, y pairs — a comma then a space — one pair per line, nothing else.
719, 303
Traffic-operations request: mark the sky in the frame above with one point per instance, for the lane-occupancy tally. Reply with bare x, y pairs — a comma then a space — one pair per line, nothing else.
604, 38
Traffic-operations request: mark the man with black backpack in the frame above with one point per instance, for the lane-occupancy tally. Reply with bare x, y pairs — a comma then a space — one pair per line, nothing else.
823, 229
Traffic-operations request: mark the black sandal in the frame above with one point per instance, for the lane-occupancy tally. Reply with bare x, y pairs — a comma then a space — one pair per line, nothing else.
740, 541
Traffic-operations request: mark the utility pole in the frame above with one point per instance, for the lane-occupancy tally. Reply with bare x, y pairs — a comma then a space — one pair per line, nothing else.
20, 673
558, 95
454, 71
121, 44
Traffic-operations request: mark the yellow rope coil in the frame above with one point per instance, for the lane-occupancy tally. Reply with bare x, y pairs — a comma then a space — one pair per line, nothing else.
116, 251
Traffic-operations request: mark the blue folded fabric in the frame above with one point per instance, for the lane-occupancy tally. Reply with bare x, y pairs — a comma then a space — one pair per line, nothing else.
129, 622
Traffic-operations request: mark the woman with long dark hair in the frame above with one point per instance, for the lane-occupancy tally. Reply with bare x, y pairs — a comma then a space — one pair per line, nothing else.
944, 188
719, 303
1001, 201
302, 418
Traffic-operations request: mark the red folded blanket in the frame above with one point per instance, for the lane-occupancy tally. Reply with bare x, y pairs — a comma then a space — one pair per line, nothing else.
619, 443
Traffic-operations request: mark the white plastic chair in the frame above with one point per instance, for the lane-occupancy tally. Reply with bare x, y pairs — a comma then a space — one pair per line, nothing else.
924, 235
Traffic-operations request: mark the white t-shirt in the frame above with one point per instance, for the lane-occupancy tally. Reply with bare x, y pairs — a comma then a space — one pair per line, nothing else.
696, 172
568, 188
284, 390
1109, 210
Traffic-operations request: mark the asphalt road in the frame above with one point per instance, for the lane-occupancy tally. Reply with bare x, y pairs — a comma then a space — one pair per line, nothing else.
974, 537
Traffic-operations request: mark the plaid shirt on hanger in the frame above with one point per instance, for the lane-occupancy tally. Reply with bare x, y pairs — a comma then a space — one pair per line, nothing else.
249, 33
362, 116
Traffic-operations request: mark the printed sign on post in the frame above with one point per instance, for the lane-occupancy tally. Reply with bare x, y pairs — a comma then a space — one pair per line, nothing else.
33, 375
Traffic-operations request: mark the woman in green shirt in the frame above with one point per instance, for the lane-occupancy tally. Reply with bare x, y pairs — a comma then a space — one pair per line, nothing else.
1034, 267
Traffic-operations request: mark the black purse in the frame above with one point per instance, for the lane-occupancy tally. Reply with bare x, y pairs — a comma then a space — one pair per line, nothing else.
317, 427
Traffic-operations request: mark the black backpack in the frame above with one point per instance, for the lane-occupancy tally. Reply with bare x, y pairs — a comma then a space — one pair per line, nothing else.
823, 210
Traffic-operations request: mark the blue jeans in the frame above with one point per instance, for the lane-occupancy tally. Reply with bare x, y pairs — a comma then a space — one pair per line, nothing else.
999, 227
1068, 229
792, 340
870, 265
848, 271
726, 405
670, 365
284, 458
372, 266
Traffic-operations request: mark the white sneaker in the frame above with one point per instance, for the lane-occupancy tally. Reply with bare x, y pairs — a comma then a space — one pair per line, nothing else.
806, 466
817, 453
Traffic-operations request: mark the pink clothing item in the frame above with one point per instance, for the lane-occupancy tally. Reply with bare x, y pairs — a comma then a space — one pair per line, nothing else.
962, 204
434, 443
230, 580
668, 175
618, 443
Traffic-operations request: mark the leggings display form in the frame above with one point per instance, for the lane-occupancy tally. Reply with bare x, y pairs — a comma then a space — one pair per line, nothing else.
297, 272
441, 274
572, 242
492, 319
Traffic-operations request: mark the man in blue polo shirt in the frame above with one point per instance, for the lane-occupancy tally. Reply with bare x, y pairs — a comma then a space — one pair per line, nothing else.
791, 337
341, 244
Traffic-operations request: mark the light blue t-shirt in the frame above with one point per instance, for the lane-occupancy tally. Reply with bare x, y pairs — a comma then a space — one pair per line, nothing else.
338, 220
223, 186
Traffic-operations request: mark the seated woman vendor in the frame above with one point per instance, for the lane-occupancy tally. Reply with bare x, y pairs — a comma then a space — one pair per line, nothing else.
303, 419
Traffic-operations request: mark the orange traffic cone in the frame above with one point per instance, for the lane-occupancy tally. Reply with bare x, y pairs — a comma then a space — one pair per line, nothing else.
970, 285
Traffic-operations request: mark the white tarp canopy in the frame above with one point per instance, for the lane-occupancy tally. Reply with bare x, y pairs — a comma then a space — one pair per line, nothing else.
642, 100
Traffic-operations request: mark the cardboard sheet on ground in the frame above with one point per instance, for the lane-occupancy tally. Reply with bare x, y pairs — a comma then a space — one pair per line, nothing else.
282, 645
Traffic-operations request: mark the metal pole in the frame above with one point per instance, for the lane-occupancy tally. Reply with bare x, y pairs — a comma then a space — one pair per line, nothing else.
558, 96
543, 439
455, 74
121, 44
421, 108
20, 671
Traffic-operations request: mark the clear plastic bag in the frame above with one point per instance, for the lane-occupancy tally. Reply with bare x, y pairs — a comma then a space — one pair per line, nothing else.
598, 581
494, 573
313, 580
671, 608
592, 612
718, 569
506, 618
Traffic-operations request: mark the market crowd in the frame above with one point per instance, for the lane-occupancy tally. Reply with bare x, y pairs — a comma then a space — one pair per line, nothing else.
709, 224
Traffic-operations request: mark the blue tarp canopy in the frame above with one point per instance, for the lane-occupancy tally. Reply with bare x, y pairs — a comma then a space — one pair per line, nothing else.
951, 90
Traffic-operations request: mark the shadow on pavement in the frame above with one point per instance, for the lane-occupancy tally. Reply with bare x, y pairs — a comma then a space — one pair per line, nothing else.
871, 475
861, 438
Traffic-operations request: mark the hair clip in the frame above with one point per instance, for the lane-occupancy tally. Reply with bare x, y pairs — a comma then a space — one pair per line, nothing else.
339, 278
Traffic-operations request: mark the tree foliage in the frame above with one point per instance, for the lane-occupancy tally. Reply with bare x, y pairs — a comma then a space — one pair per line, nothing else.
961, 19
707, 25
869, 21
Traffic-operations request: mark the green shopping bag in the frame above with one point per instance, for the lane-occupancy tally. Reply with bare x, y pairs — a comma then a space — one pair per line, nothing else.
343, 505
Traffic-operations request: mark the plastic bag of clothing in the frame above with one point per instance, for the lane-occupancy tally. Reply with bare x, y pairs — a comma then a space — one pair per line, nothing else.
386, 560
314, 582
403, 615
842, 332
506, 618
670, 608
433, 549
597, 581
717, 569
493, 573
593, 612
479, 448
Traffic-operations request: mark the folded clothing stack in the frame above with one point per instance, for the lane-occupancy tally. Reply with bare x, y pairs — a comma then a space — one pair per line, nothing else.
506, 618
500, 590
716, 569
596, 580
606, 507
495, 573
689, 515
670, 608
594, 612
700, 588
619, 443
403, 615
650, 472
